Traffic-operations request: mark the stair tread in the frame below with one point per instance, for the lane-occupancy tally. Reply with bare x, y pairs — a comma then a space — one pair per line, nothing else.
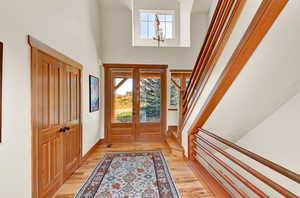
173, 144
174, 133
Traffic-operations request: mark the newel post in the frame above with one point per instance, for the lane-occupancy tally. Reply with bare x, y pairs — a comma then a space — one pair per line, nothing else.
191, 146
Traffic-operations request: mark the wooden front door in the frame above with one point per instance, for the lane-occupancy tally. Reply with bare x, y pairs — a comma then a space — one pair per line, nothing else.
135, 103
121, 102
56, 123
151, 104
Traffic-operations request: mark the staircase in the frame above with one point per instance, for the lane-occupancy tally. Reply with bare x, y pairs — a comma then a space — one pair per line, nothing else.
235, 170
172, 141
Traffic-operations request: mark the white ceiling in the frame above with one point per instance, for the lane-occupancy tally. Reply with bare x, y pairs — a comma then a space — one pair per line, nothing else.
199, 6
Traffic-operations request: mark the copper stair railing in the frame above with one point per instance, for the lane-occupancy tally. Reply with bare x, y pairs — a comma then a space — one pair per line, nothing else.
208, 150
221, 26
203, 152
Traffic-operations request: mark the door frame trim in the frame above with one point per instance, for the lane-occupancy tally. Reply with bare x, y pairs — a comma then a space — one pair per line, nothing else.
139, 66
37, 46
107, 79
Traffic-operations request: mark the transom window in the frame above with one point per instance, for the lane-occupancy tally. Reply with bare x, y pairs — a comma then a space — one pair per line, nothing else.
148, 24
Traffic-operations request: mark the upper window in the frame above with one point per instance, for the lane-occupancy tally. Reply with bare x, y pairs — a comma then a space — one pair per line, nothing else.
148, 24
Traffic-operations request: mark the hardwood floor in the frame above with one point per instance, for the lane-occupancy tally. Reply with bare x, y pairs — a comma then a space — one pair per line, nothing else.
188, 185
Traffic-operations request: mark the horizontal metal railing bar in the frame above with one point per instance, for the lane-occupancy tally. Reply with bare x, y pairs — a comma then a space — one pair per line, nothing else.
284, 171
222, 23
213, 40
252, 171
233, 172
206, 64
227, 179
213, 20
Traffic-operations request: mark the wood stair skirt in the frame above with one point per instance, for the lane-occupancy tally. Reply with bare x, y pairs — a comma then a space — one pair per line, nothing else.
175, 148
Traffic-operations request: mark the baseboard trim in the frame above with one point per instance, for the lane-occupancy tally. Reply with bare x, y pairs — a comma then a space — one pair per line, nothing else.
87, 155
214, 187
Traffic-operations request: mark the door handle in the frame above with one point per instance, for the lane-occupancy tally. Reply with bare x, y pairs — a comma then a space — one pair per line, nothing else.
62, 130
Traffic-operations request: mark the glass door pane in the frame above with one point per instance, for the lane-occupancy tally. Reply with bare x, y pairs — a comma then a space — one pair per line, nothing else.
122, 92
150, 96
174, 93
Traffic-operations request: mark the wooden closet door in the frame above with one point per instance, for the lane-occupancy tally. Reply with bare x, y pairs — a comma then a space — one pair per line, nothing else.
55, 113
72, 134
49, 122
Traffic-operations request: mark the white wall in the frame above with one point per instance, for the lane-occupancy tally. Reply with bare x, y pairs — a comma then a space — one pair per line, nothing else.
260, 111
117, 41
239, 30
71, 28
185, 22
269, 79
173, 118
212, 9
277, 139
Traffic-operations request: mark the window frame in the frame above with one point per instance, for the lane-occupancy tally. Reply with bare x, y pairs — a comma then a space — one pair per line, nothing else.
159, 12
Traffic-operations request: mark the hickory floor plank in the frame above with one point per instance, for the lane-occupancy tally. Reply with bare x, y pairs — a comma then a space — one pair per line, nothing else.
189, 186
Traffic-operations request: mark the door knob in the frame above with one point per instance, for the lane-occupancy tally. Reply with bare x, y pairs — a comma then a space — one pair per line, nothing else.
62, 130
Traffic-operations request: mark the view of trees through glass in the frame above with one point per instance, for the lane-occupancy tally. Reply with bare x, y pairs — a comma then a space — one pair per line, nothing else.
123, 100
150, 100
174, 94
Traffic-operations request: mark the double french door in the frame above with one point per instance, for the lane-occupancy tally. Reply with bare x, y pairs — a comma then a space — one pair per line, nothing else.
135, 103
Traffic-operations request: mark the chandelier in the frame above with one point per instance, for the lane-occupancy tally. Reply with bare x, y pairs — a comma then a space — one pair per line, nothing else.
159, 34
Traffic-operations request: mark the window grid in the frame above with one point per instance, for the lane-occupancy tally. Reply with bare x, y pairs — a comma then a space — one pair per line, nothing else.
148, 21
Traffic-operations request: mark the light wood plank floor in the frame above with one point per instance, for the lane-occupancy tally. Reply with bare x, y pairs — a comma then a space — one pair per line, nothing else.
188, 185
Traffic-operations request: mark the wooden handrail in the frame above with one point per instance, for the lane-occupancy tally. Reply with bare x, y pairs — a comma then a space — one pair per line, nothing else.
221, 26
205, 41
233, 172
225, 177
210, 52
209, 45
284, 171
261, 23
250, 170
175, 84
222, 16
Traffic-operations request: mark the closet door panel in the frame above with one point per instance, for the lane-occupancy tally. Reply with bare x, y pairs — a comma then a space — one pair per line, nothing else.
49, 124
72, 135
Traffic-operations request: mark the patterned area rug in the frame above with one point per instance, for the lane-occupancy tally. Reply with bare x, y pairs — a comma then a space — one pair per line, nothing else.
143, 174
